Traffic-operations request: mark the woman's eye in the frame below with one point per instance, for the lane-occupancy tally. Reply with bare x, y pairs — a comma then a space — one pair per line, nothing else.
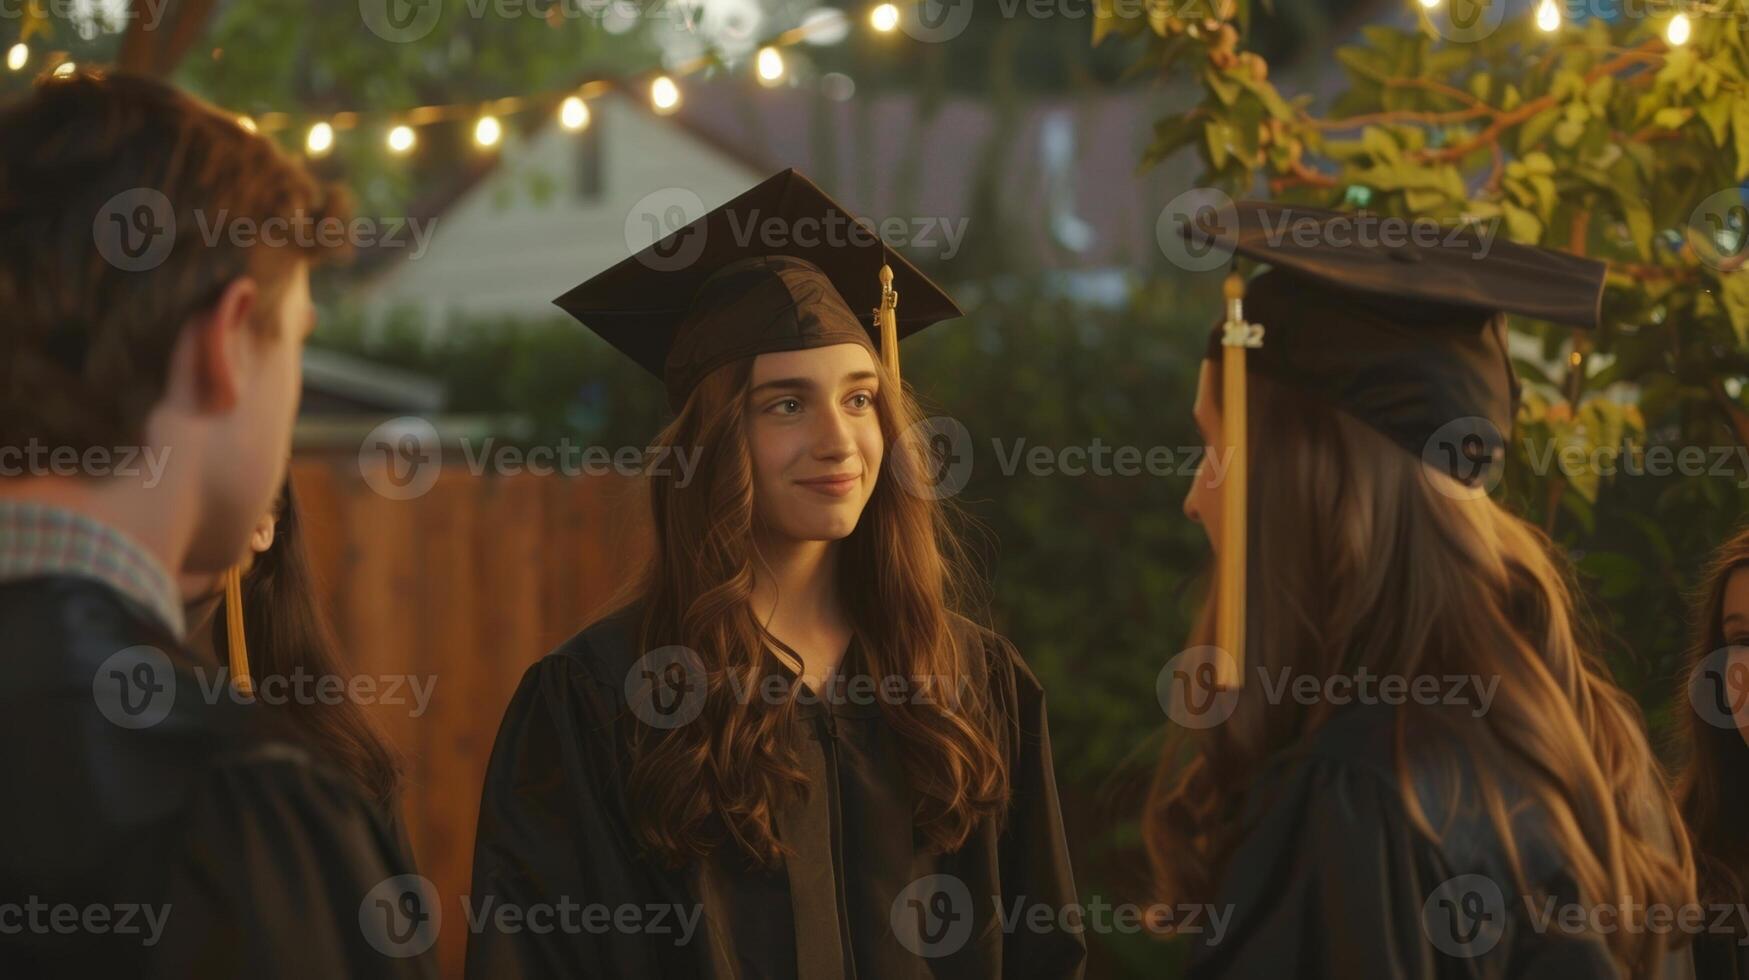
786, 406
861, 400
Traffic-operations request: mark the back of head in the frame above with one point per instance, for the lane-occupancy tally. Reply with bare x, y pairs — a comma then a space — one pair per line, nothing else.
1364, 558
120, 199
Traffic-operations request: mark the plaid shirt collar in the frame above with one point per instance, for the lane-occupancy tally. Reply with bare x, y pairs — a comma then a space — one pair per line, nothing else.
40, 539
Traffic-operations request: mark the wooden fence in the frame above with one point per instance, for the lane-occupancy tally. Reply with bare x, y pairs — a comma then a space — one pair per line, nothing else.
462, 587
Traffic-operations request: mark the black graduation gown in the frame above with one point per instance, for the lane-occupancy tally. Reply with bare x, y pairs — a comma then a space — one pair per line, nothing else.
553, 827
1721, 956
204, 843
1332, 879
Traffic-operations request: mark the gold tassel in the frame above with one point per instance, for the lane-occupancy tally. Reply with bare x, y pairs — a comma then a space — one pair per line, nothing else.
1237, 337
887, 315
234, 630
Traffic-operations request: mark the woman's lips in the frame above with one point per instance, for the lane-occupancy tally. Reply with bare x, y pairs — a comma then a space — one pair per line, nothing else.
838, 485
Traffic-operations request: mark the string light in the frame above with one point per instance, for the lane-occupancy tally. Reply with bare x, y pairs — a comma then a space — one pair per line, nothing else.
488, 131
664, 94
1677, 33
17, 56
822, 26
574, 114
1548, 16
770, 66
320, 139
65, 69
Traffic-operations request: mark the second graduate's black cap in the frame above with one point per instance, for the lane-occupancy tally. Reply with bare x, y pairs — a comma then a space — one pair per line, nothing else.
1398, 322
781, 267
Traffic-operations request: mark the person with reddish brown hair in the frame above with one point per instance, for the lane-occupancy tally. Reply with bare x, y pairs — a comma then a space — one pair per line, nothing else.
1715, 732
789, 753
1398, 752
158, 823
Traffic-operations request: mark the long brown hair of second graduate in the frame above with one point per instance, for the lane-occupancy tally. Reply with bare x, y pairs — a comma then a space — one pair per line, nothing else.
1358, 560
288, 633
1713, 790
903, 584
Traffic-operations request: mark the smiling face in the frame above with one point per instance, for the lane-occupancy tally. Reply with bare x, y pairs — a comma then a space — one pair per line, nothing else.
815, 439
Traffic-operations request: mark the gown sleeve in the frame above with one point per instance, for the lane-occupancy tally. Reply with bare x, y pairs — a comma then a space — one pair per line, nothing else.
279, 863
553, 836
1033, 849
1334, 881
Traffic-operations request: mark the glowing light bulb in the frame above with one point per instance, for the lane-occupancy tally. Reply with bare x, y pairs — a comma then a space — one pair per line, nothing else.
17, 56
884, 17
664, 94
247, 124
320, 139
574, 114
1679, 31
401, 139
1548, 16
770, 66
488, 131
1429, 4
65, 69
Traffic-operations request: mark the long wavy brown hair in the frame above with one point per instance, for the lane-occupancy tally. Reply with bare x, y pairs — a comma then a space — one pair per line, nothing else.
902, 573
1713, 789
1362, 557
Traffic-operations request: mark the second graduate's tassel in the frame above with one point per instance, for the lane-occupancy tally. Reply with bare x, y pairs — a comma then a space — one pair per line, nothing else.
1237, 336
234, 638
887, 317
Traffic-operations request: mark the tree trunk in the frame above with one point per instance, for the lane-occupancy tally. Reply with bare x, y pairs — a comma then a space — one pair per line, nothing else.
156, 47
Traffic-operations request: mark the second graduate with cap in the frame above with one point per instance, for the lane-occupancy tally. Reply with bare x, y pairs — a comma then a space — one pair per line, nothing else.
788, 755
1419, 768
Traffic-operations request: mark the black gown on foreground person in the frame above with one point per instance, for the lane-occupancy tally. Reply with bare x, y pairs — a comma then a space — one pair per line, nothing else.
554, 829
191, 835
1326, 828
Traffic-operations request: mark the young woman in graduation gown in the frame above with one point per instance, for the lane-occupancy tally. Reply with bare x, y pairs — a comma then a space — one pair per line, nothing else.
1714, 789
1426, 834
788, 756
285, 633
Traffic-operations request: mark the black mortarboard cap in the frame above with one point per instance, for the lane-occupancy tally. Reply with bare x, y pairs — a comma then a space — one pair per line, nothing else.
1397, 322
781, 267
